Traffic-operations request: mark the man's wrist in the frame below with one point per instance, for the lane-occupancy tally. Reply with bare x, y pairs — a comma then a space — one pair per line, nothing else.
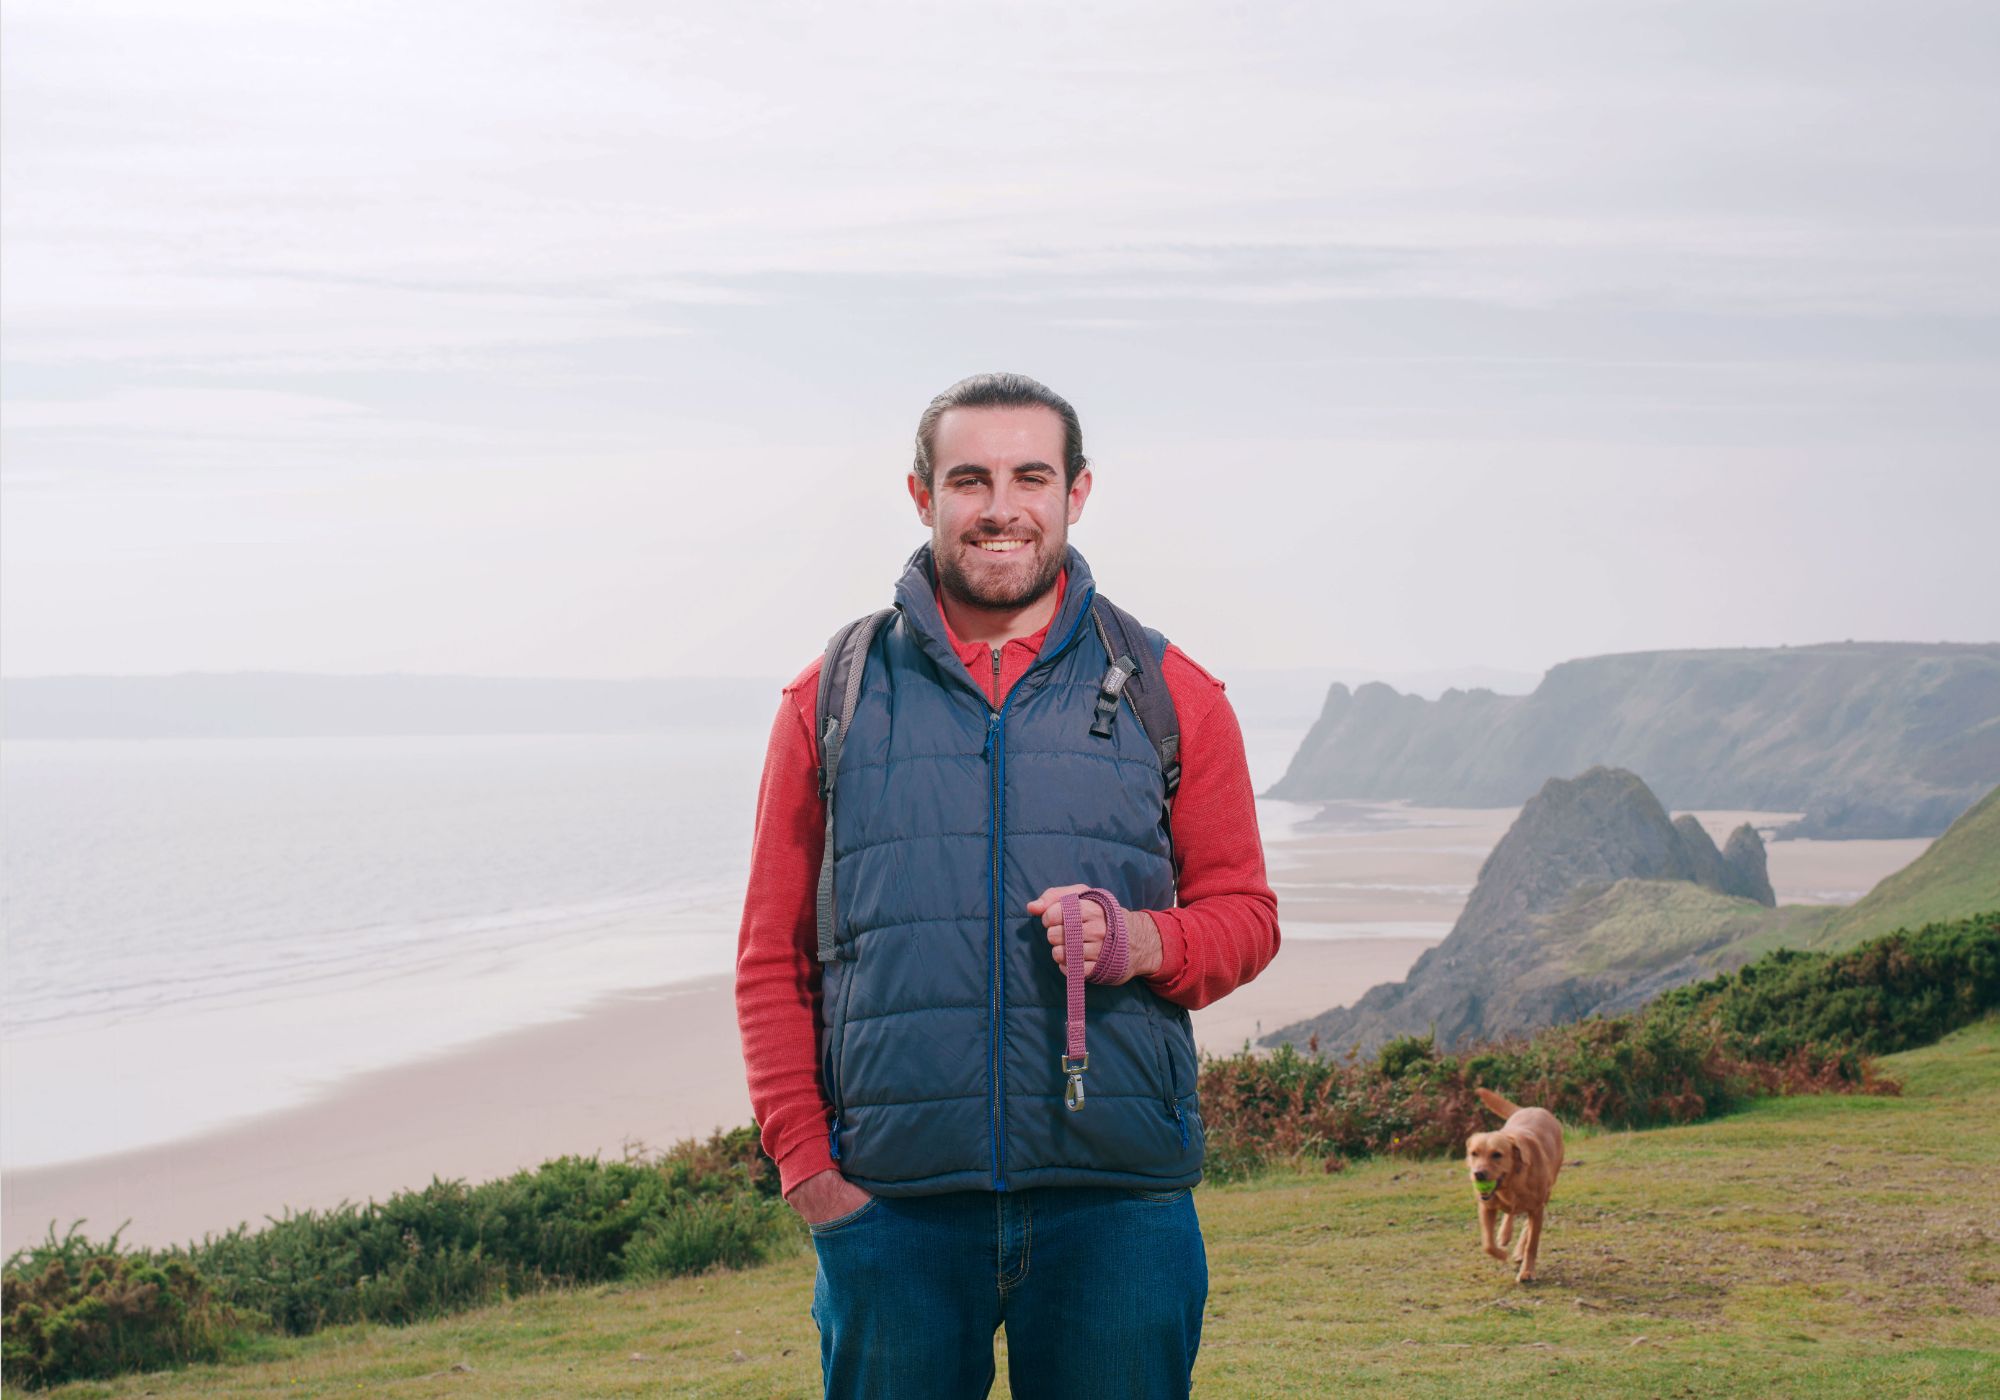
804, 1182
1163, 952
803, 1162
1143, 936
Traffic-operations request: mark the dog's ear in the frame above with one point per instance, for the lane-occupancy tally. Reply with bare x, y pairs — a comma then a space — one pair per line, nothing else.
1515, 1148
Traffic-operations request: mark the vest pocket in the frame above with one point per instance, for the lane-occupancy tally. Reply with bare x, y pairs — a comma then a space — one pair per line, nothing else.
1163, 1060
1167, 1034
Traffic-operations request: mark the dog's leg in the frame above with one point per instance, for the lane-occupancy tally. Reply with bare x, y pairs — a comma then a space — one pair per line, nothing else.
1488, 1212
1531, 1244
1507, 1230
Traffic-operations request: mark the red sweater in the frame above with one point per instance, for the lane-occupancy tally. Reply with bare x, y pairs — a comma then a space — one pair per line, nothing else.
1223, 932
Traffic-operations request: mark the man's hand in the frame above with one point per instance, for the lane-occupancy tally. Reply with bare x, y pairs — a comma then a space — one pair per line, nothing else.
825, 1196
1140, 930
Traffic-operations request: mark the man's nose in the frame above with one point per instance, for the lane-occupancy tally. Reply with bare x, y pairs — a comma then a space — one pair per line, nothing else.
1006, 501
1000, 507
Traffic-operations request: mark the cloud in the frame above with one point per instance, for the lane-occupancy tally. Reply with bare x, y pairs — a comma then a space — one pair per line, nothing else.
696, 270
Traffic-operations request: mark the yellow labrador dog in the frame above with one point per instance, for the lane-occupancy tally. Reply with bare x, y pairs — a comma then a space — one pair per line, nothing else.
1513, 1171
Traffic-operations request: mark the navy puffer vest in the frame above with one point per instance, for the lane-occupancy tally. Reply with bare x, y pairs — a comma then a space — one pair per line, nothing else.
944, 1013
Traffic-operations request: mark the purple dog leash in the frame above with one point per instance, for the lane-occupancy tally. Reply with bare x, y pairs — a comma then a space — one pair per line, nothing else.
1113, 957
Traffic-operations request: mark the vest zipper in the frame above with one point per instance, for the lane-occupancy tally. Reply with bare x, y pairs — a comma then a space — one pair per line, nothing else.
997, 998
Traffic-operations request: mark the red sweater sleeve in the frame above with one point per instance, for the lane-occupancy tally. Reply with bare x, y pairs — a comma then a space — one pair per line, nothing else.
777, 964
1224, 928
1223, 932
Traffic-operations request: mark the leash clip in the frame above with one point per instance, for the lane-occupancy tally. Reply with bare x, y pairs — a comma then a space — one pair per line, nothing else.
1073, 1091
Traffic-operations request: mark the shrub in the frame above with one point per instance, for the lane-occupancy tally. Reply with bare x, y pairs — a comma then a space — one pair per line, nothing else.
731, 1232
572, 1220
91, 1310
79, 1310
1891, 993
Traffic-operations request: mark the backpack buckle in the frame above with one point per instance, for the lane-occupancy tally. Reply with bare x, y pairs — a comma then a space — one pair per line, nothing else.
1108, 691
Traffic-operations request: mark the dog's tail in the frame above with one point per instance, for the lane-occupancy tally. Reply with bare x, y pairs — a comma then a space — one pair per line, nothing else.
1496, 1103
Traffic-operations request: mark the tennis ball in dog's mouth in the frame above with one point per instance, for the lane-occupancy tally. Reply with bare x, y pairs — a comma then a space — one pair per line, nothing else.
1484, 1188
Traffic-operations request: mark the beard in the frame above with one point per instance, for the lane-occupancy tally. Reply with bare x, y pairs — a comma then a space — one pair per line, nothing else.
1015, 584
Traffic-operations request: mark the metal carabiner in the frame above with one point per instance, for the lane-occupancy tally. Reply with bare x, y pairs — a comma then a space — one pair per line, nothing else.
1073, 1091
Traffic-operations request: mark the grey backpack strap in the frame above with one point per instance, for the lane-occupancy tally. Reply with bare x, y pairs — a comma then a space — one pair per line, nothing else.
1135, 674
833, 712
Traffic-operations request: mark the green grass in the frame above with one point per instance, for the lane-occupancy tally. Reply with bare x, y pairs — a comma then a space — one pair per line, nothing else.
1826, 1246
1958, 875
1635, 926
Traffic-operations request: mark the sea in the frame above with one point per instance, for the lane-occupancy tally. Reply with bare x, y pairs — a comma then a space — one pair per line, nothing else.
195, 932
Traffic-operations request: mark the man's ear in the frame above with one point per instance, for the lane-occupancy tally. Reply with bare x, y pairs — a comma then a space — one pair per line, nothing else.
922, 498
1078, 494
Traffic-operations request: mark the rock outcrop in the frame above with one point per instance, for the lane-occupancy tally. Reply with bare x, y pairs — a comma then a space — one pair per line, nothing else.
1506, 965
1748, 874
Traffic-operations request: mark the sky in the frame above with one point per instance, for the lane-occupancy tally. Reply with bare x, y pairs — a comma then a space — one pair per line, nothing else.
588, 340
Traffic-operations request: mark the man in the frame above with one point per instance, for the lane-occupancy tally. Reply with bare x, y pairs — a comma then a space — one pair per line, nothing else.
910, 1074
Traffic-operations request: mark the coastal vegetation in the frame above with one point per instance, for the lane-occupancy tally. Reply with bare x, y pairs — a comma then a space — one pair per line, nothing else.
77, 1308
1796, 1023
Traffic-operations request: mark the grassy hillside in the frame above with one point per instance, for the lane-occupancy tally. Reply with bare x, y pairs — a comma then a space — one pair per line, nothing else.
1958, 875
1825, 1247
1636, 926
1615, 948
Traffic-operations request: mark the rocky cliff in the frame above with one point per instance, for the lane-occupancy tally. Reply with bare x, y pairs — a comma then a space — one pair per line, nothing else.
1865, 738
1584, 851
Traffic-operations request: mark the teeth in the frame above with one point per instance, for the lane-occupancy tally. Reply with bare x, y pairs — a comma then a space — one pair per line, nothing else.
1001, 546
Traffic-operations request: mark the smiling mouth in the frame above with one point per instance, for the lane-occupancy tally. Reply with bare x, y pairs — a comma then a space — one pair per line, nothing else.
999, 546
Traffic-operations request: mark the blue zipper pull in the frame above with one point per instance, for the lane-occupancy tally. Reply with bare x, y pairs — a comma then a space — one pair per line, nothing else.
1182, 1124
833, 1138
992, 726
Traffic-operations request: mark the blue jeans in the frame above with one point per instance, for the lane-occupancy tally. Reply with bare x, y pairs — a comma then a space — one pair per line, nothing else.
1101, 1291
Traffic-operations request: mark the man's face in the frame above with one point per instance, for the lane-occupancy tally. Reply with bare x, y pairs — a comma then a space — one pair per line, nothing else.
998, 512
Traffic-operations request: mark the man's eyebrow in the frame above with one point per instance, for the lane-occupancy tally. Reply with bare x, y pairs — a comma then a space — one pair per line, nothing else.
968, 468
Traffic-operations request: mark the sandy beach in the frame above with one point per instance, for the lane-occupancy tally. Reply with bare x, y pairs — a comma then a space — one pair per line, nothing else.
657, 1065
648, 1067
